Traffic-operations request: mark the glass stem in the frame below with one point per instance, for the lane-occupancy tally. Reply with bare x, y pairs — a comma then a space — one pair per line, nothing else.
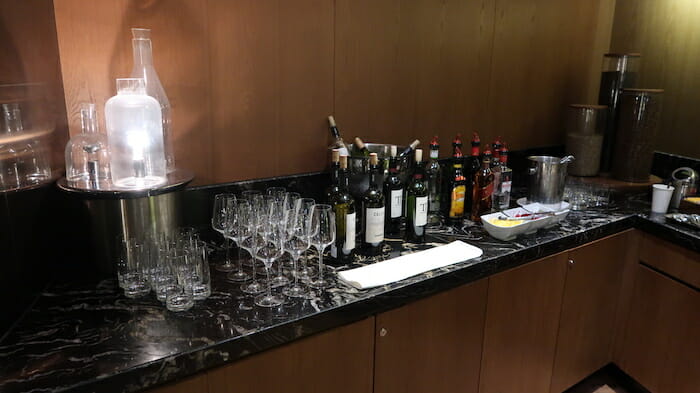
240, 261
227, 245
320, 264
296, 272
269, 283
254, 263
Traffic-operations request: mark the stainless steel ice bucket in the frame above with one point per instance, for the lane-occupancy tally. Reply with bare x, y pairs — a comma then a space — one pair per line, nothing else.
547, 179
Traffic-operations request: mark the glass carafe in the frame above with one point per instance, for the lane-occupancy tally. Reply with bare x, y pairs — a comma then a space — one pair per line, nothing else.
87, 154
143, 68
135, 134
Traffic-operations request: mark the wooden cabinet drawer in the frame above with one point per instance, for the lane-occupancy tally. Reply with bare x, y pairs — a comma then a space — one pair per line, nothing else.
671, 259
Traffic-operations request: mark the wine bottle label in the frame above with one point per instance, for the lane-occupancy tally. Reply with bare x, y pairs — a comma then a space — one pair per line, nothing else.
506, 186
421, 213
396, 203
457, 201
434, 154
374, 225
349, 233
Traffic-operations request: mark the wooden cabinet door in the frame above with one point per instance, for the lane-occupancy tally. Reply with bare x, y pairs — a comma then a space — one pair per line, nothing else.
661, 346
586, 327
432, 345
522, 317
339, 361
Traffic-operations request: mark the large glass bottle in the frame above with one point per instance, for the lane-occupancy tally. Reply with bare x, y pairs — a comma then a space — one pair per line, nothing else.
482, 192
144, 69
393, 193
433, 173
345, 216
503, 180
87, 153
471, 167
335, 168
373, 211
417, 204
135, 134
457, 188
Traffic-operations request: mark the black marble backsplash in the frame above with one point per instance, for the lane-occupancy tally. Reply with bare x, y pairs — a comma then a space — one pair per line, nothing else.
665, 163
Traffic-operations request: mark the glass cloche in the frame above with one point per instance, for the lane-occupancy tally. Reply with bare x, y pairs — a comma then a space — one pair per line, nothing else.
87, 154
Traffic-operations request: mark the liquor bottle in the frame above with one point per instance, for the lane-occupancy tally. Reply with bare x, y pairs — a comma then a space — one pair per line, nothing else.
373, 211
335, 168
483, 188
502, 186
472, 165
448, 176
338, 142
417, 204
393, 193
433, 173
360, 149
344, 208
409, 149
497, 145
457, 189
457, 143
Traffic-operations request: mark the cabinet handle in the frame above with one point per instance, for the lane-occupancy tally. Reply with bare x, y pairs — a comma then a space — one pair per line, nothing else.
571, 262
383, 332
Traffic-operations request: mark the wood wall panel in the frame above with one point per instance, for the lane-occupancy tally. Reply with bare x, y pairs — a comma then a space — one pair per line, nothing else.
411, 69
251, 82
542, 53
95, 43
667, 34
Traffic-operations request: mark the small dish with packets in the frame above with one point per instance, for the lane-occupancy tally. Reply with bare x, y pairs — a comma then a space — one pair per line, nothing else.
510, 223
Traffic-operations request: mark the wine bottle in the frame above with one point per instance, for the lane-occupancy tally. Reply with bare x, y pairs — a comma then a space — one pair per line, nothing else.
503, 177
472, 165
417, 204
482, 192
373, 211
409, 149
338, 142
360, 149
433, 173
457, 190
393, 193
345, 216
335, 167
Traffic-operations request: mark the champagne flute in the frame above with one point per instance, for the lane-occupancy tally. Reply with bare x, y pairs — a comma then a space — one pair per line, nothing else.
238, 231
219, 222
322, 229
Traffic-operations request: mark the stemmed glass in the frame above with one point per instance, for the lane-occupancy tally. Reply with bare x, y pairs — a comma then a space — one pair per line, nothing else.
322, 229
287, 202
269, 251
219, 222
239, 215
305, 207
252, 241
296, 242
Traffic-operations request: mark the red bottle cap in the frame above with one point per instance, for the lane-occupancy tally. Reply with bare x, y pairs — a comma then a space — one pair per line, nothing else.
458, 140
434, 143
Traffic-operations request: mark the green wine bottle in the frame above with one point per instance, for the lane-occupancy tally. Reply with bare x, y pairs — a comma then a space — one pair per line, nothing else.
393, 193
360, 149
335, 167
373, 211
417, 204
345, 218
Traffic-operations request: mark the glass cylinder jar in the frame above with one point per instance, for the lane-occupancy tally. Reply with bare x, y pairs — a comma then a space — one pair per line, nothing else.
637, 129
620, 71
585, 125
87, 154
135, 134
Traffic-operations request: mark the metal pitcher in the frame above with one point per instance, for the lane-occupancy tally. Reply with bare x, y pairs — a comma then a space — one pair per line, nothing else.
547, 179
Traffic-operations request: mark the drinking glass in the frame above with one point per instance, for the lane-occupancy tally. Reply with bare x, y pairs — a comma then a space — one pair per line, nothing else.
181, 296
201, 277
305, 207
322, 229
271, 248
276, 192
133, 269
239, 215
296, 242
219, 222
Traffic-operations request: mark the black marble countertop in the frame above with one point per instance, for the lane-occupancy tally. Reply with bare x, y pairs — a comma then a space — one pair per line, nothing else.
90, 338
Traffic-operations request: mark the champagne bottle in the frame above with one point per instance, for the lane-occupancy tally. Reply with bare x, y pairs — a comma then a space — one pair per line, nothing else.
417, 204
373, 211
393, 193
335, 167
409, 149
457, 190
345, 217
360, 149
337, 139
503, 177
482, 192
433, 173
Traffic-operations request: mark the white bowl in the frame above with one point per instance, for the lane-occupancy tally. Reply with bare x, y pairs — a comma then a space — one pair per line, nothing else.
528, 225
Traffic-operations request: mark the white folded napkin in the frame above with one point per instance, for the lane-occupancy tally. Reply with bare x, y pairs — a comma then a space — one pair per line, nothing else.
405, 266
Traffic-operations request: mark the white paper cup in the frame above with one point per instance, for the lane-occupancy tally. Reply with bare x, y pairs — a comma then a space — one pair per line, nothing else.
660, 198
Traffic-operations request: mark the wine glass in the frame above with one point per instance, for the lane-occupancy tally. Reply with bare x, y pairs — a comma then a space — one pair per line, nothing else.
219, 222
322, 229
287, 202
296, 242
239, 215
305, 207
276, 192
270, 249
252, 242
